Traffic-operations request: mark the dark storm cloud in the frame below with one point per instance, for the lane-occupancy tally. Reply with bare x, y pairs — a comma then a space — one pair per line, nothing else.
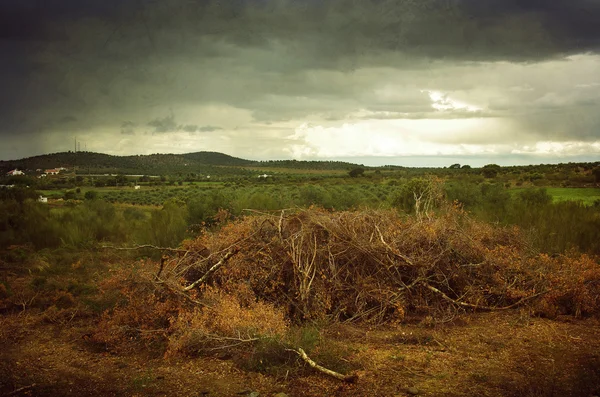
169, 124
282, 60
128, 128
164, 124
338, 33
68, 119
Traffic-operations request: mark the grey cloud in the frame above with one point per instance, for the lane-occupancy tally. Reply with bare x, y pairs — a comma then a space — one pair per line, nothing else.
288, 61
189, 128
68, 119
209, 128
169, 124
128, 128
164, 124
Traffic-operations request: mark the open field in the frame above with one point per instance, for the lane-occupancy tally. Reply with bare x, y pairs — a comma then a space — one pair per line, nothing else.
585, 195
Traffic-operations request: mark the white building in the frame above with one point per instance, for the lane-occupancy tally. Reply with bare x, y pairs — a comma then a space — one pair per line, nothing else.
15, 172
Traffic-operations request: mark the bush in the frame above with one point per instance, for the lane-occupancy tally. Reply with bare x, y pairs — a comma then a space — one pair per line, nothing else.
167, 226
91, 195
535, 197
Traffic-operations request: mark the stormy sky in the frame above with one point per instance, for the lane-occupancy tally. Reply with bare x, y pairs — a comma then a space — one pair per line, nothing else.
409, 82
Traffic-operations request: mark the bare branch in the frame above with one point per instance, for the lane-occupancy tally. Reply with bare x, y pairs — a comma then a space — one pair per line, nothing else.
210, 271
403, 257
139, 247
345, 378
480, 307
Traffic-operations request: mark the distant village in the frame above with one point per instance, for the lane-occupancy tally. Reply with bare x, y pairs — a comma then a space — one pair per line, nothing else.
39, 172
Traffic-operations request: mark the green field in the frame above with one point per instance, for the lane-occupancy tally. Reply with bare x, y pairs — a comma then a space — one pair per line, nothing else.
586, 195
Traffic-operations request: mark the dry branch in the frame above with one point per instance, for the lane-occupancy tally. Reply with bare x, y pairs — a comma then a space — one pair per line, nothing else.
403, 257
482, 307
139, 247
344, 378
210, 271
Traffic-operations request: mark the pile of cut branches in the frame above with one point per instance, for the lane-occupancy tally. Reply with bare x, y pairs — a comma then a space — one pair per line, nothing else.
378, 266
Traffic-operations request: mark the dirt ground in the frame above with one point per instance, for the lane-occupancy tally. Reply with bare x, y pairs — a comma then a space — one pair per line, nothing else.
488, 354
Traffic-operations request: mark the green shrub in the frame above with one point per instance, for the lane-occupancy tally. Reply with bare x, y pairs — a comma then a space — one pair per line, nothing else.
91, 195
167, 226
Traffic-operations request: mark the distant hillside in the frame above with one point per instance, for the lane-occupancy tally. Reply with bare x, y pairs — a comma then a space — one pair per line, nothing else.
198, 162
153, 163
216, 158
307, 164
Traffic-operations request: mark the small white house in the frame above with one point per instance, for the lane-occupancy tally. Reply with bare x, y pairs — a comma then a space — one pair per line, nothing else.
15, 172
137, 187
42, 199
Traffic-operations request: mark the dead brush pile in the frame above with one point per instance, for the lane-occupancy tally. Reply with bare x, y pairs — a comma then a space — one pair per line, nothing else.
251, 280
378, 266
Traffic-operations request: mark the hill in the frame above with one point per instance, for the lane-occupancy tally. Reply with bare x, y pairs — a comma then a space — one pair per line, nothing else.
216, 158
142, 164
197, 162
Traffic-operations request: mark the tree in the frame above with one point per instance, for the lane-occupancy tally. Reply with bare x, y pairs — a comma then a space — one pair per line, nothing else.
419, 196
490, 170
356, 172
120, 179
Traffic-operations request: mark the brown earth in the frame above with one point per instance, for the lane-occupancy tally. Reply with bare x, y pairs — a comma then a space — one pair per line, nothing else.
488, 354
